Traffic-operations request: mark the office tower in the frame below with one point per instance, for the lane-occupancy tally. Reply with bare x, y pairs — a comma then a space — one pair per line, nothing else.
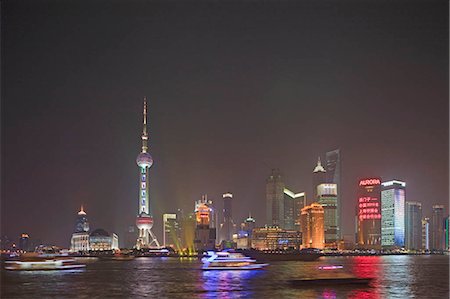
327, 198
227, 227
319, 177
413, 225
293, 205
393, 214
426, 233
24, 242
171, 231
80, 238
275, 199
333, 168
369, 214
437, 228
312, 224
187, 233
205, 231
144, 220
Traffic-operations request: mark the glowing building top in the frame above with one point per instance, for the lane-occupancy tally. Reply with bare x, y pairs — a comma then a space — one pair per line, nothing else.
319, 167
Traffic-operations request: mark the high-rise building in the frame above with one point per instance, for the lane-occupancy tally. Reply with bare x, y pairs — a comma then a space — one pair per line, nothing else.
293, 205
426, 233
319, 177
205, 230
144, 220
437, 228
80, 238
393, 214
24, 242
312, 224
187, 233
171, 231
227, 226
333, 174
369, 214
327, 198
275, 199
413, 225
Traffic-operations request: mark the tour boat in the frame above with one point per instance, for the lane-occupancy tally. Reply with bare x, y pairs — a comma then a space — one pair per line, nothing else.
39, 262
225, 260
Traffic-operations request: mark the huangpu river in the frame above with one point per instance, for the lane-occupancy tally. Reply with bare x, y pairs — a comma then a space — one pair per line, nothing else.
399, 276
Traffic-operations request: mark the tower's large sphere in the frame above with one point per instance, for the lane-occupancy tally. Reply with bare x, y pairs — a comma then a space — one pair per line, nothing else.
144, 221
144, 160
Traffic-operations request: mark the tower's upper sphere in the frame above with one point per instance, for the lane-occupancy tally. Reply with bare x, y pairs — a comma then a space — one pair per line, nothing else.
144, 160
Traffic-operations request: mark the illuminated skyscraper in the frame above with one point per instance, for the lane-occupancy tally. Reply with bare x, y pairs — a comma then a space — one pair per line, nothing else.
333, 168
327, 198
312, 224
319, 177
275, 199
80, 238
437, 228
205, 230
369, 214
426, 234
227, 226
144, 220
413, 225
293, 205
393, 214
171, 231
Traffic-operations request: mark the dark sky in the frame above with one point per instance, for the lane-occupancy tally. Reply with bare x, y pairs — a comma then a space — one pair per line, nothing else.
234, 88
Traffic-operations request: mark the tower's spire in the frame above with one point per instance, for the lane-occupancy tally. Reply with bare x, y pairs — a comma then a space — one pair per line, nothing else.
144, 129
319, 167
318, 162
81, 212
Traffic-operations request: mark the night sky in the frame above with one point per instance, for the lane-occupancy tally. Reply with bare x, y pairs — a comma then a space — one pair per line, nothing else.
234, 89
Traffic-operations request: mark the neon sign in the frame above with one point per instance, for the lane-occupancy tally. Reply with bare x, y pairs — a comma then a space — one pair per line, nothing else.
368, 208
369, 182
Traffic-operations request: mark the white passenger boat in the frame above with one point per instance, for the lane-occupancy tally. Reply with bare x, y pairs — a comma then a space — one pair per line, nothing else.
37, 262
225, 260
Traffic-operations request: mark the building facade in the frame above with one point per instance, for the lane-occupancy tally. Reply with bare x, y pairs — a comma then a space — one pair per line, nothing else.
413, 225
101, 240
426, 234
312, 224
393, 214
369, 214
171, 231
275, 238
327, 198
205, 231
333, 167
293, 205
437, 228
80, 238
275, 199
227, 226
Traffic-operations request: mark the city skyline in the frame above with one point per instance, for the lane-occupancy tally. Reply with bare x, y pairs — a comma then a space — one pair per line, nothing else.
220, 119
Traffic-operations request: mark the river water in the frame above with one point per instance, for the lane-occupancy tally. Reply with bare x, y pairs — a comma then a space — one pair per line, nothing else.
395, 277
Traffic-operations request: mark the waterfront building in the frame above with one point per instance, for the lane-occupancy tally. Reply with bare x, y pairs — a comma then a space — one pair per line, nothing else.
171, 231
426, 234
243, 238
227, 225
80, 238
369, 214
275, 199
312, 224
187, 232
275, 238
333, 174
319, 177
327, 198
144, 219
293, 204
393, 214
24, 242
413, 225
100, 240
205, 218
437, 228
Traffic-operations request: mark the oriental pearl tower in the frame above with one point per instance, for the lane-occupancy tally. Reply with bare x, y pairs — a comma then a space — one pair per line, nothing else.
144, 220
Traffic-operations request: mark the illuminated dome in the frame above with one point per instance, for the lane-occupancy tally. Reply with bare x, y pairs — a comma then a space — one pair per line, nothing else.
99, 233
144, 221
144, 160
